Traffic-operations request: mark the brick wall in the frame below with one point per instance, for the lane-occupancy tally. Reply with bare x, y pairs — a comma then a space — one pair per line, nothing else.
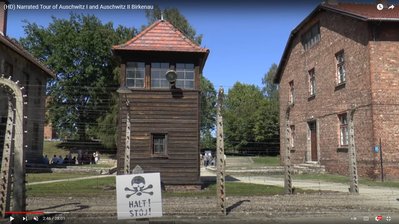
34, 124
338, 33
384, 59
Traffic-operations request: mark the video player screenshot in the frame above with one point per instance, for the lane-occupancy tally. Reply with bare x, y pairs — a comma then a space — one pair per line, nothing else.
242, 111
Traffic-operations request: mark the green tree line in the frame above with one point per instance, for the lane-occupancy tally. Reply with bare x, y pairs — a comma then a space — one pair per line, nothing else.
82, 102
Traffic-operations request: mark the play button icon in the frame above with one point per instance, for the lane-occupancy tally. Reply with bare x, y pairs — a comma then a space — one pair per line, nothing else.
11, 218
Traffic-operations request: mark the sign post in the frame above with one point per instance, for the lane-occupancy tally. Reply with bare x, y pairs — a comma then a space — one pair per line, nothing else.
138, 196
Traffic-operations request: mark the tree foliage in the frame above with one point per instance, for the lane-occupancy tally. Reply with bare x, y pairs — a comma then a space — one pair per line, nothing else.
174, 16
251, 115
270, 89
241, 103
208, 113
208, 103
78, 50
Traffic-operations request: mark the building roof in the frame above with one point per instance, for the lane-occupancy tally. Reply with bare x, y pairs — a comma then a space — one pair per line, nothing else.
365, 11
361, 11
16, 47
161, 36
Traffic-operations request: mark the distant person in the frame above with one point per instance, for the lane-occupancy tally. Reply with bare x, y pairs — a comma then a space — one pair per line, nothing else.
96, 157
60, 160
45, 160
73, 160
54, 160
80, 157
92, 158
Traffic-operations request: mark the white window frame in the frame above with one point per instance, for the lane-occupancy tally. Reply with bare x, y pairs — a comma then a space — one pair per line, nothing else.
184, 71
158, 71
138, 74
291, 97
292, 136
343, 130
340, 64
312, 82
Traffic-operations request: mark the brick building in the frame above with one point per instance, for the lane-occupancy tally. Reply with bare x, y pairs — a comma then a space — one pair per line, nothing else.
342, 57
16, 62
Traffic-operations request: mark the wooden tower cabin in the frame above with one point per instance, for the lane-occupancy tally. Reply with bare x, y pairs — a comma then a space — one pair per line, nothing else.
159, 112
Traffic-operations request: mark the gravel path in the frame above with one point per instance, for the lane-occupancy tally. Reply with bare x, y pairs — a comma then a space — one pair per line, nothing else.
315, 206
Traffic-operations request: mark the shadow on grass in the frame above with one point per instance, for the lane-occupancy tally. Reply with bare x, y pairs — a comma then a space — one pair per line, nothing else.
209, 180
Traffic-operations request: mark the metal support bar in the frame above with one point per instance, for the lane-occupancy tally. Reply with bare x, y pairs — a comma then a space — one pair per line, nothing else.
287, 159
127, 144
381, 160
18, 160
220, 160
354, 180
5, 188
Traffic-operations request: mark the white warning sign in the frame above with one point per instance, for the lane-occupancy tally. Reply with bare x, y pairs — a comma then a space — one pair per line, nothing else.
138, 196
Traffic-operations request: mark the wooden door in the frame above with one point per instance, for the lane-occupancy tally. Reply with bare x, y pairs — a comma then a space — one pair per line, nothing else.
313, 140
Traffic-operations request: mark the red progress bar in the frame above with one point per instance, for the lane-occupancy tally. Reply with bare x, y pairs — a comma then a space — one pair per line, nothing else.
25, 213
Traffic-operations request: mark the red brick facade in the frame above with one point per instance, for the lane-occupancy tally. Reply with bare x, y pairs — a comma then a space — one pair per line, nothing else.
371, 87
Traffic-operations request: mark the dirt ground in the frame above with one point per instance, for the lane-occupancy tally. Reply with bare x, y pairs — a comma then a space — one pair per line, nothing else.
318, 207
272, 209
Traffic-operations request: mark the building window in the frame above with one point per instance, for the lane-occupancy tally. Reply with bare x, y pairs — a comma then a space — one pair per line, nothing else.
158, 71
159, 144
135, 72
292, 135
340, 60
291, 97
311, 36
343, 130
312, 82
185, 76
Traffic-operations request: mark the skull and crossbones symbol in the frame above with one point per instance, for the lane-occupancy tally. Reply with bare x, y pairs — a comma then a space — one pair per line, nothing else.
138, 187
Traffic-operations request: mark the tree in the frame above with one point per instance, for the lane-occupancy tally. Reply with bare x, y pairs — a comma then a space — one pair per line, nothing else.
208, 113
267, 127
239, 118
208, 105
173, 16
268, 117
78, 50
270, 89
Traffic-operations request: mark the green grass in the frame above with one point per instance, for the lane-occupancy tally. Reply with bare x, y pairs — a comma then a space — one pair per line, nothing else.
81, 188
267, 160
344, 179
99, 165
51, 148
106, 187
38, 177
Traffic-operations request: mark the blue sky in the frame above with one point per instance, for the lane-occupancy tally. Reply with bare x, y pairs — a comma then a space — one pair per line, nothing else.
244, 36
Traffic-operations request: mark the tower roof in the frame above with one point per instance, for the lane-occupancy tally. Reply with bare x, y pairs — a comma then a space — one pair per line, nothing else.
160, 36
